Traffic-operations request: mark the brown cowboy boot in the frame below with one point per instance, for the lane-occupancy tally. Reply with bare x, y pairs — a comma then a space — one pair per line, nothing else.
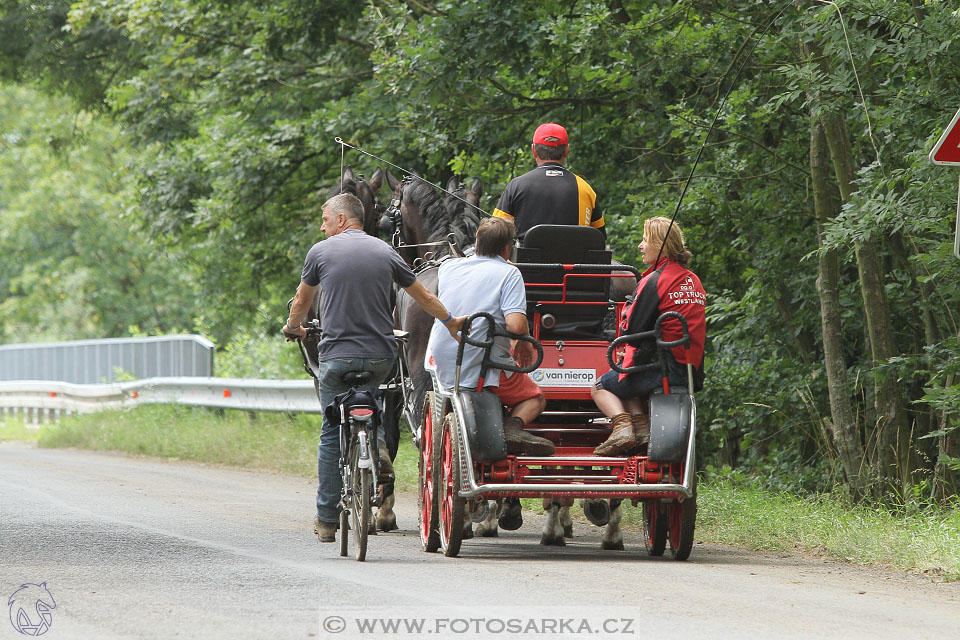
641, 431
641, 428
521, 442
622, 440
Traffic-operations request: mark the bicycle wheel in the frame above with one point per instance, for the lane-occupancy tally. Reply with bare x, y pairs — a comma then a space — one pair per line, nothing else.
451, 504
362, 481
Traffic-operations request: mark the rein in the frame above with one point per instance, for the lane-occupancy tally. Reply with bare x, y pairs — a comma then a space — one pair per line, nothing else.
406, 172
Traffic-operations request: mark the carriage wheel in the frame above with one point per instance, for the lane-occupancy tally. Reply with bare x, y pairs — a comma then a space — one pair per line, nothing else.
344, 531
655, 518
683, 518
427, 494
451, 505
362, 480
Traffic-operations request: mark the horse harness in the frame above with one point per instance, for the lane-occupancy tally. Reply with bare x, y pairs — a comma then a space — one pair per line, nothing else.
394, 217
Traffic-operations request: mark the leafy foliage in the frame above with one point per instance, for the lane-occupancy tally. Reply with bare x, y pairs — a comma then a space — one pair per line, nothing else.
233, 109
72, 263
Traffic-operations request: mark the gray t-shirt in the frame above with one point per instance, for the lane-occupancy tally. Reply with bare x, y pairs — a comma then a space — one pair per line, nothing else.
356, 273
466, 286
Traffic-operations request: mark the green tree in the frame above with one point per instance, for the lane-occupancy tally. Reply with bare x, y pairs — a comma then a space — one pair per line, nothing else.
72, 262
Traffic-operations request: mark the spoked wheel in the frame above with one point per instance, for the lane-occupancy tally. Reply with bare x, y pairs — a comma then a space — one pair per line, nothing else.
683, 518
427, 494
451, 505
344, 531
362, 481
656, 520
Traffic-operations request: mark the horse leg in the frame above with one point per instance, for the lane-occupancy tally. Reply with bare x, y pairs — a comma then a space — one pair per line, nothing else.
488, 526
386, 518
510, 514
553, 528
467, 526
566, 521
612, 535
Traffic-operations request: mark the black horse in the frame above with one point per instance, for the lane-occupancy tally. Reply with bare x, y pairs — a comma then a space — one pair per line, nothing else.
432, 228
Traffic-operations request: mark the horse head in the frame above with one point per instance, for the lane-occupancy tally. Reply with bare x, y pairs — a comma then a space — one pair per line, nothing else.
366, 191
417, 214
427, 222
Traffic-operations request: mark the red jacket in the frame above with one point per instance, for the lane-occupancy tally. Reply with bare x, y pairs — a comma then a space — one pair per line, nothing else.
668, 288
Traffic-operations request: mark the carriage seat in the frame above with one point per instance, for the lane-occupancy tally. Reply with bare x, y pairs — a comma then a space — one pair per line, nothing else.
565, 244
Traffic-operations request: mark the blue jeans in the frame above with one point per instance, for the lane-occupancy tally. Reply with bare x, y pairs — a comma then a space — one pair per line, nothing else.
329, 483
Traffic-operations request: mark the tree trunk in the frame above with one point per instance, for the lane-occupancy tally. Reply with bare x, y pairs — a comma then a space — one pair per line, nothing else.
843, 426
892, 434
944, 481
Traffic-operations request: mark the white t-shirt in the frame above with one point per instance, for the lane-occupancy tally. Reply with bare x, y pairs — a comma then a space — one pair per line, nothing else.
467, 286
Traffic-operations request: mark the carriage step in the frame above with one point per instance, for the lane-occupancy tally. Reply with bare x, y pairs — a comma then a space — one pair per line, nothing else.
579, 414
562, 429
570, 461
583, 478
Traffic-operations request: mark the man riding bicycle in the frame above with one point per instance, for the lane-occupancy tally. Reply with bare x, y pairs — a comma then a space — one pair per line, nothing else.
356, 273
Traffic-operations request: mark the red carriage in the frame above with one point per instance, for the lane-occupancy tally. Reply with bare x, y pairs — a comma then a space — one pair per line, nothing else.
463, 459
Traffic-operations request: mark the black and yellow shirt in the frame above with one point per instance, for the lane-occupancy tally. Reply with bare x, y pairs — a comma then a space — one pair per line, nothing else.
549, 194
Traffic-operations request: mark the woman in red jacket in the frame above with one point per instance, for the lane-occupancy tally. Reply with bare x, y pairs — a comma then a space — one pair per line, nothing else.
668, 285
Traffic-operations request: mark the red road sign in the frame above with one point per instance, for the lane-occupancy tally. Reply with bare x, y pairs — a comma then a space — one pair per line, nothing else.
947, 149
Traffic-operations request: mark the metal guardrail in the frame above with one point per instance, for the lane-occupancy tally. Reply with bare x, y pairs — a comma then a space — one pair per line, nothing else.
97, 361
42, 400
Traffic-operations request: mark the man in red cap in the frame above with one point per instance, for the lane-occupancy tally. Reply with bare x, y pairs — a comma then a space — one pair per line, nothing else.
549, 194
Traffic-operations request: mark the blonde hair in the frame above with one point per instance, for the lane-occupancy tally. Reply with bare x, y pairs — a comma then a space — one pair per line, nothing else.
655, 229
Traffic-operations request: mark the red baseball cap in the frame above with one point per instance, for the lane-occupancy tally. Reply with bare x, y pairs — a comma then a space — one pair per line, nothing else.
550, 134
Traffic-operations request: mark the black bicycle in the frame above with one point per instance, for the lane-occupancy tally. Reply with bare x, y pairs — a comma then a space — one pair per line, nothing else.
359, 413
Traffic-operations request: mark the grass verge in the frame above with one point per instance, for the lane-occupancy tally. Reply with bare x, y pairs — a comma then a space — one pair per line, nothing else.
917, 540
924, 540
15, 429
286, 443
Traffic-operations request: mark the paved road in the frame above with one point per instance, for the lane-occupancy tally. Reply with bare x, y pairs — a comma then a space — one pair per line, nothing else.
139, 548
